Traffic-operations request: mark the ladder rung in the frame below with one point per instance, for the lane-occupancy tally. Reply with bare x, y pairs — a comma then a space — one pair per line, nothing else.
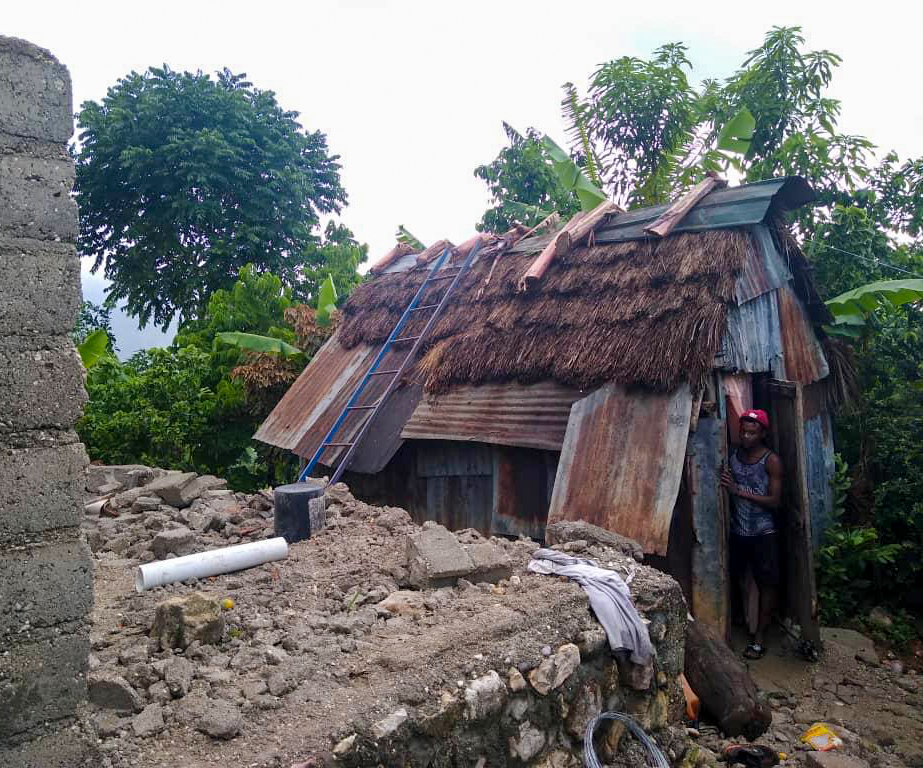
406, 338
383, 373
337, 445
428, 306
361, 407
443, 277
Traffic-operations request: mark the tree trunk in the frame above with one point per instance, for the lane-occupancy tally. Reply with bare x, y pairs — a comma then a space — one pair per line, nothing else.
723, 684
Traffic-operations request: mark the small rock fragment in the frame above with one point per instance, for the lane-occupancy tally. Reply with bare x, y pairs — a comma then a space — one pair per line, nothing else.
111, 691
180, 620
485, 696
388, 725
149, 722
221, 720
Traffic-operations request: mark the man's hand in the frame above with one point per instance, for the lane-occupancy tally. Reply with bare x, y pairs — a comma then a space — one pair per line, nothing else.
727, 481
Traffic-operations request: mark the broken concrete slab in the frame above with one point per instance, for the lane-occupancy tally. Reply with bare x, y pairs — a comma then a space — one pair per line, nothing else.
435, 558
862, 647
491, 563
111, 691
833, 760
569, 531
180, 620
149, 722
127, 476
173, 541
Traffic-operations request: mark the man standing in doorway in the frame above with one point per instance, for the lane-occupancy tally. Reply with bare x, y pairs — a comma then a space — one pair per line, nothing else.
754, 482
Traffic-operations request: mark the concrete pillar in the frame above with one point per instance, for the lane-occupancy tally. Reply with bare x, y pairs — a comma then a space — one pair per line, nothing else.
45, 573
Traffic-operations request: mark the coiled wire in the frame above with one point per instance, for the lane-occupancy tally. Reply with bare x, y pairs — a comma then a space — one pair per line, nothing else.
655, 758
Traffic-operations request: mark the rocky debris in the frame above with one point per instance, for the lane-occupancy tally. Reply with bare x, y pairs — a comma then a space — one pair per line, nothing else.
111, 691
527, 743
833, 760
177, 675
182, 620
149, 722
491, 563
221, 720
175, 541
103, 479
180, 489
554, 670
435, 558
485, 696
402, 603
561, 533
388, 725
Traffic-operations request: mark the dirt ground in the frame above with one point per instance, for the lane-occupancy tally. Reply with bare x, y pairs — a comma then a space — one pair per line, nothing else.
877, 711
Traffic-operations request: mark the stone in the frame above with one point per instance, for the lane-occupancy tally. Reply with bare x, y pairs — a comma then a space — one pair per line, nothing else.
111, 691
107, 724
344, 745
403, 602
592, 641
159, 692
833, 760
586, 705
280, 684
180, 620
145, 504
880, 617
485, 696
554, 671
149, 722
517, 707
174, 541
435, 558
851, 641
527, 743
221, 720
388, 725
491, 563
517, 682
253, 689
807, 715
567, 531
177, 674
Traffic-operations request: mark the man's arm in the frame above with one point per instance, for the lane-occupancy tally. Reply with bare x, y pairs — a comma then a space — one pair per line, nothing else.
774, 499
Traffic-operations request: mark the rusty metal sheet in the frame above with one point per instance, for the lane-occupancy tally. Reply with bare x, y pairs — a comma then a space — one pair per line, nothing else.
444, 459
532, 416
305, 414
622, 462
763, 269
819, 469
804, 357
752, 341
521, 491
706, 451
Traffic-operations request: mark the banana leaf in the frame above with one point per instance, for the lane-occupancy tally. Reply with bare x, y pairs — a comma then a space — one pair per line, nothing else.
404, 236
859, 302
737, 132
572, 177
326, 302
256, 343
93, 348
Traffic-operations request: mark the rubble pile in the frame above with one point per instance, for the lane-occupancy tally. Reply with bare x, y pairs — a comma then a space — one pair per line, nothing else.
377, 641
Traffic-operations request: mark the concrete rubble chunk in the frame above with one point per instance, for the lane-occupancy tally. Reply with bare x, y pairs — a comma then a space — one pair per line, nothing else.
567, 531
180, 620
221, 720
111, 691
833, 760
388, 725
491, 563
404, 602
173, 541
344, 745
177, 674
435, 558
180, 489
149, 722
485, 696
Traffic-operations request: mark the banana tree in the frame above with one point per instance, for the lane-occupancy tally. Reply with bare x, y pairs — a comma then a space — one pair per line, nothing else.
853, 310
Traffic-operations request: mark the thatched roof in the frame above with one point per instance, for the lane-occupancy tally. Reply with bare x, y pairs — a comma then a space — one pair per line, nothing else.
643, 313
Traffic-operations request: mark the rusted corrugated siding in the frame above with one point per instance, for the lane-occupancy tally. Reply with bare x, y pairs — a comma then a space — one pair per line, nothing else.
504, 414
819, 468
622, 461
312, 394
312, 404
804, 356
521, 491
763, 269
752, 341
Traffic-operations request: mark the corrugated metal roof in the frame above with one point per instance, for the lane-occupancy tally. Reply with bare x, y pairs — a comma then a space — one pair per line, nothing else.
532, 416
751, 340
804, 356
306, 412
622, 462
763, 270
740, 206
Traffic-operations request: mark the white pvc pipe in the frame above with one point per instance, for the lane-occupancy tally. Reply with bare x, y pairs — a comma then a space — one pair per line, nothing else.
211, 563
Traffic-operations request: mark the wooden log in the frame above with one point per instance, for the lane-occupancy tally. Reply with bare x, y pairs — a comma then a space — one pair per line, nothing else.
433, 252
723, 685
577, 229
664, 225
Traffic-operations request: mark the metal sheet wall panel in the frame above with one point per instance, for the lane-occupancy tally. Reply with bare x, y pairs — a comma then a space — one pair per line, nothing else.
752, 341
512, 414
459, 501
710, 587
444, 459
819, 469
804, 357
763, 270
521, 491
622, 462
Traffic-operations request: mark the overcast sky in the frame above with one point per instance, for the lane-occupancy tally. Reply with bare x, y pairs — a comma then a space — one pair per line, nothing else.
411, 95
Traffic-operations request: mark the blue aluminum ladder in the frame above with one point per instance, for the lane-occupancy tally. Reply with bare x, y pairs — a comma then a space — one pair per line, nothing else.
372, 409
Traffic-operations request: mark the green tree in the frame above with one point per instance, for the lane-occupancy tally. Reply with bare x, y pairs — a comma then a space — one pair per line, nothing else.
339, 256
523, 187
183, 179
94, 317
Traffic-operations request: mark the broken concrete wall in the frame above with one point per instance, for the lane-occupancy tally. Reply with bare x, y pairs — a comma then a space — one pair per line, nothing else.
45, 574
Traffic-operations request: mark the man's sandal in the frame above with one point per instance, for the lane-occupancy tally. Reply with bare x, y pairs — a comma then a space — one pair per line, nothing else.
755, 651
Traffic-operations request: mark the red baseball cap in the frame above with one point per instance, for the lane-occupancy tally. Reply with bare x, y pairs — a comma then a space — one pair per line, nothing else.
755, 414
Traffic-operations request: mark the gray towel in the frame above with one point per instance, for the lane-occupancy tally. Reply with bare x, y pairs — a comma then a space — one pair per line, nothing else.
609, 598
